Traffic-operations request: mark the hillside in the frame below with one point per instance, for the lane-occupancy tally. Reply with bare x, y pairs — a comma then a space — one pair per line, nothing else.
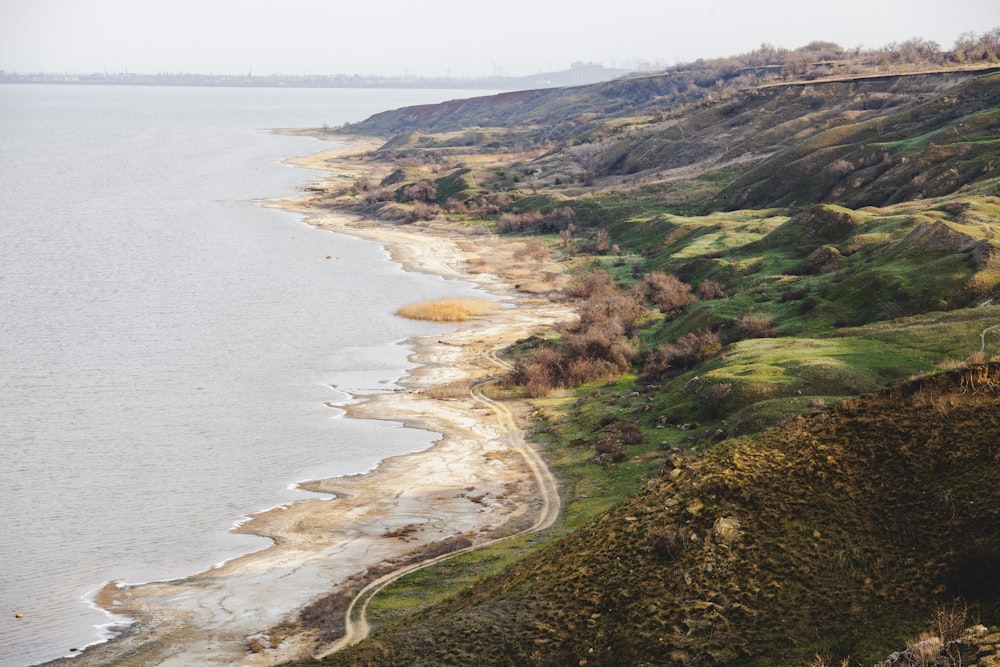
776, 420
824, 534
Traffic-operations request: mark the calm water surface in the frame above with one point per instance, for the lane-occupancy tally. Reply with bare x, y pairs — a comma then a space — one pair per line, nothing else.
166, 346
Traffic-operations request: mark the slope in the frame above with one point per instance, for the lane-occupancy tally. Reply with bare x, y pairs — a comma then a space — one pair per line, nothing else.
838, 531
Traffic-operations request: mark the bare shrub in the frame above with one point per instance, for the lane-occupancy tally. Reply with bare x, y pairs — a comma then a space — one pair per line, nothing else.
709, 289
612, 312
422, 211
364, 184
668, 292
455, 206
756, 325
591, 283
597, 348
925, 651
327, 613
602, 242
509, 222
713, 398
949, 622
689, 350
533, 250
380, 195
841, 167
628, 432
611, 447
424, 191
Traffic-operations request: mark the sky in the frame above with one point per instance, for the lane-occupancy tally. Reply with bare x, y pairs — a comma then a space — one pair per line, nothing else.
446, 37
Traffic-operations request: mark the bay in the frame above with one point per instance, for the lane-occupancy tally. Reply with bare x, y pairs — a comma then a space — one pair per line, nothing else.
167, 346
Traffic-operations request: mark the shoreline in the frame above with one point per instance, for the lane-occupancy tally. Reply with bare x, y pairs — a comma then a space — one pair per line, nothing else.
471, 485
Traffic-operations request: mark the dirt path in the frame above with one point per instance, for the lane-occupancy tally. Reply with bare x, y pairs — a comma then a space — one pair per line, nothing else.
358, 629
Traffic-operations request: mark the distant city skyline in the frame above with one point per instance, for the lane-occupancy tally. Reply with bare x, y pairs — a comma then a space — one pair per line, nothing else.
445, 37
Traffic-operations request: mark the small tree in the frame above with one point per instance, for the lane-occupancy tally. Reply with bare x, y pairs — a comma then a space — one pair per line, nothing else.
566, 236
603, 241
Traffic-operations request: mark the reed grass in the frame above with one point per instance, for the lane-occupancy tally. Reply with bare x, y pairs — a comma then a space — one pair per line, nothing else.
448, 310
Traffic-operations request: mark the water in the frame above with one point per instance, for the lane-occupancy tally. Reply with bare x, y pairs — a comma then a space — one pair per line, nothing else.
166, 345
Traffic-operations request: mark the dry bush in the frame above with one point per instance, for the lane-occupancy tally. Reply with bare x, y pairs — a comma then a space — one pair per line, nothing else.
598, 347
756, 325
327, 613
689, 350
709, 289
668, 292
380, 195
610, 447
712, 399
585, 357
448, 310
925, 651
629, 432
949, 622
820, 660
589, 284
450, 390
422, 191
364, 184
841, 167
613, 311
456, 206
533, 250
422, 211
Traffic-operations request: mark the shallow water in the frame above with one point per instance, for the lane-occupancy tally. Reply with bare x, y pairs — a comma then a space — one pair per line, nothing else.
166, 345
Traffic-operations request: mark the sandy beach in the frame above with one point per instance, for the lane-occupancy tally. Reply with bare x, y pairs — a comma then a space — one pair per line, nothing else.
478, 482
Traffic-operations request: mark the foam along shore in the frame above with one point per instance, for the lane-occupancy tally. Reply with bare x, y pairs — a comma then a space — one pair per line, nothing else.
478, 481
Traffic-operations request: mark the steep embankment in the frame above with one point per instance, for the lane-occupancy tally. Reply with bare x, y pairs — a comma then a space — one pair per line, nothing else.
862, 142
827, 533
865, 141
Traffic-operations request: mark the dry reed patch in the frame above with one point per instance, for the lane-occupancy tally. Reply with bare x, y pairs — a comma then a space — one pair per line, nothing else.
451, 390
448, 310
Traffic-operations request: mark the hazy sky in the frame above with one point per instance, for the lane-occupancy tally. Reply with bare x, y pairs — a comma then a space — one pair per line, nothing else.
440, 37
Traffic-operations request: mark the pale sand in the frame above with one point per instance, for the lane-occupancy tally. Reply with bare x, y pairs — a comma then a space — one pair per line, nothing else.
477, 481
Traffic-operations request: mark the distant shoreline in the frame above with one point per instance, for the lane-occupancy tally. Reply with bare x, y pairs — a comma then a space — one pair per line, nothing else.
579, 74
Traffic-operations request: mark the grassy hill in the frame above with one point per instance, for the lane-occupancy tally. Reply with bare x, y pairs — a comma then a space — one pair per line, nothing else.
777, 422
837, 532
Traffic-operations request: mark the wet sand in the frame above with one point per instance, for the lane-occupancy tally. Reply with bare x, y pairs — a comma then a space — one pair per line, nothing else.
477, 482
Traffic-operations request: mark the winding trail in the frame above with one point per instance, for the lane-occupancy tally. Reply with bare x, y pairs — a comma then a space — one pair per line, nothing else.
357, 629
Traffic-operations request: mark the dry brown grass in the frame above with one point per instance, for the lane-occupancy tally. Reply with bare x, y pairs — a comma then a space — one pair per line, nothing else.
448, 310
451, 390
